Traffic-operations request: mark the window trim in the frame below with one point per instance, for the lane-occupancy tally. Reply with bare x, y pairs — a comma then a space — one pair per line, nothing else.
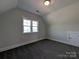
24, 25
30, 26
35, 26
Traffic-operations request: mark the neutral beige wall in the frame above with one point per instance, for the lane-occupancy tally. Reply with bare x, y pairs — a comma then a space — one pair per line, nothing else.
62, 21
11, 25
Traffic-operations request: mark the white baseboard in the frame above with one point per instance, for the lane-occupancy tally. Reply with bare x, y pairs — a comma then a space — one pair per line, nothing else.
65, 42
14, 46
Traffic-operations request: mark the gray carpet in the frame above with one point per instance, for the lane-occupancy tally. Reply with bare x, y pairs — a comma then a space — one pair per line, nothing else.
44, 49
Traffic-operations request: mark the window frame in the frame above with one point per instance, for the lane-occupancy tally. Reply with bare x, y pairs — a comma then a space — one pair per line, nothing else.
26, 25
35, 26
31, 30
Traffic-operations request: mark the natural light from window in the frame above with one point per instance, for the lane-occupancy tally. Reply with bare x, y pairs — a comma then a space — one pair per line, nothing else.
34, 26
26, 26
30, 26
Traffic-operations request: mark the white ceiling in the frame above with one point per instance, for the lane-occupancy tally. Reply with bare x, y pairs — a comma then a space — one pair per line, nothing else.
7, 4
33, 5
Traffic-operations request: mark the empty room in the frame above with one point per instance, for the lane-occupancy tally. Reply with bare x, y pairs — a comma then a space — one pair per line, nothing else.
39, 29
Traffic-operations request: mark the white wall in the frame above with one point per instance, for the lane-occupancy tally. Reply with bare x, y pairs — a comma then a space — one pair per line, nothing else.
11, 34
62, 21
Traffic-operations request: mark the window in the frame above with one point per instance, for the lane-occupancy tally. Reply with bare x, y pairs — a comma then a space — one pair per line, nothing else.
34, 26
30, 26
26, 26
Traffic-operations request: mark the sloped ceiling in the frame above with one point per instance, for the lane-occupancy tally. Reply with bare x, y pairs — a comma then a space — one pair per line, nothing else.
33, 5
7, 4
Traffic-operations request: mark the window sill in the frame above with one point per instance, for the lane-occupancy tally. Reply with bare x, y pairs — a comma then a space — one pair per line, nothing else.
31, 33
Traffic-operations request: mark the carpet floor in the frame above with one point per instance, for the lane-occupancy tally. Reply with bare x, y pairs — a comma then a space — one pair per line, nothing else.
44, 49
